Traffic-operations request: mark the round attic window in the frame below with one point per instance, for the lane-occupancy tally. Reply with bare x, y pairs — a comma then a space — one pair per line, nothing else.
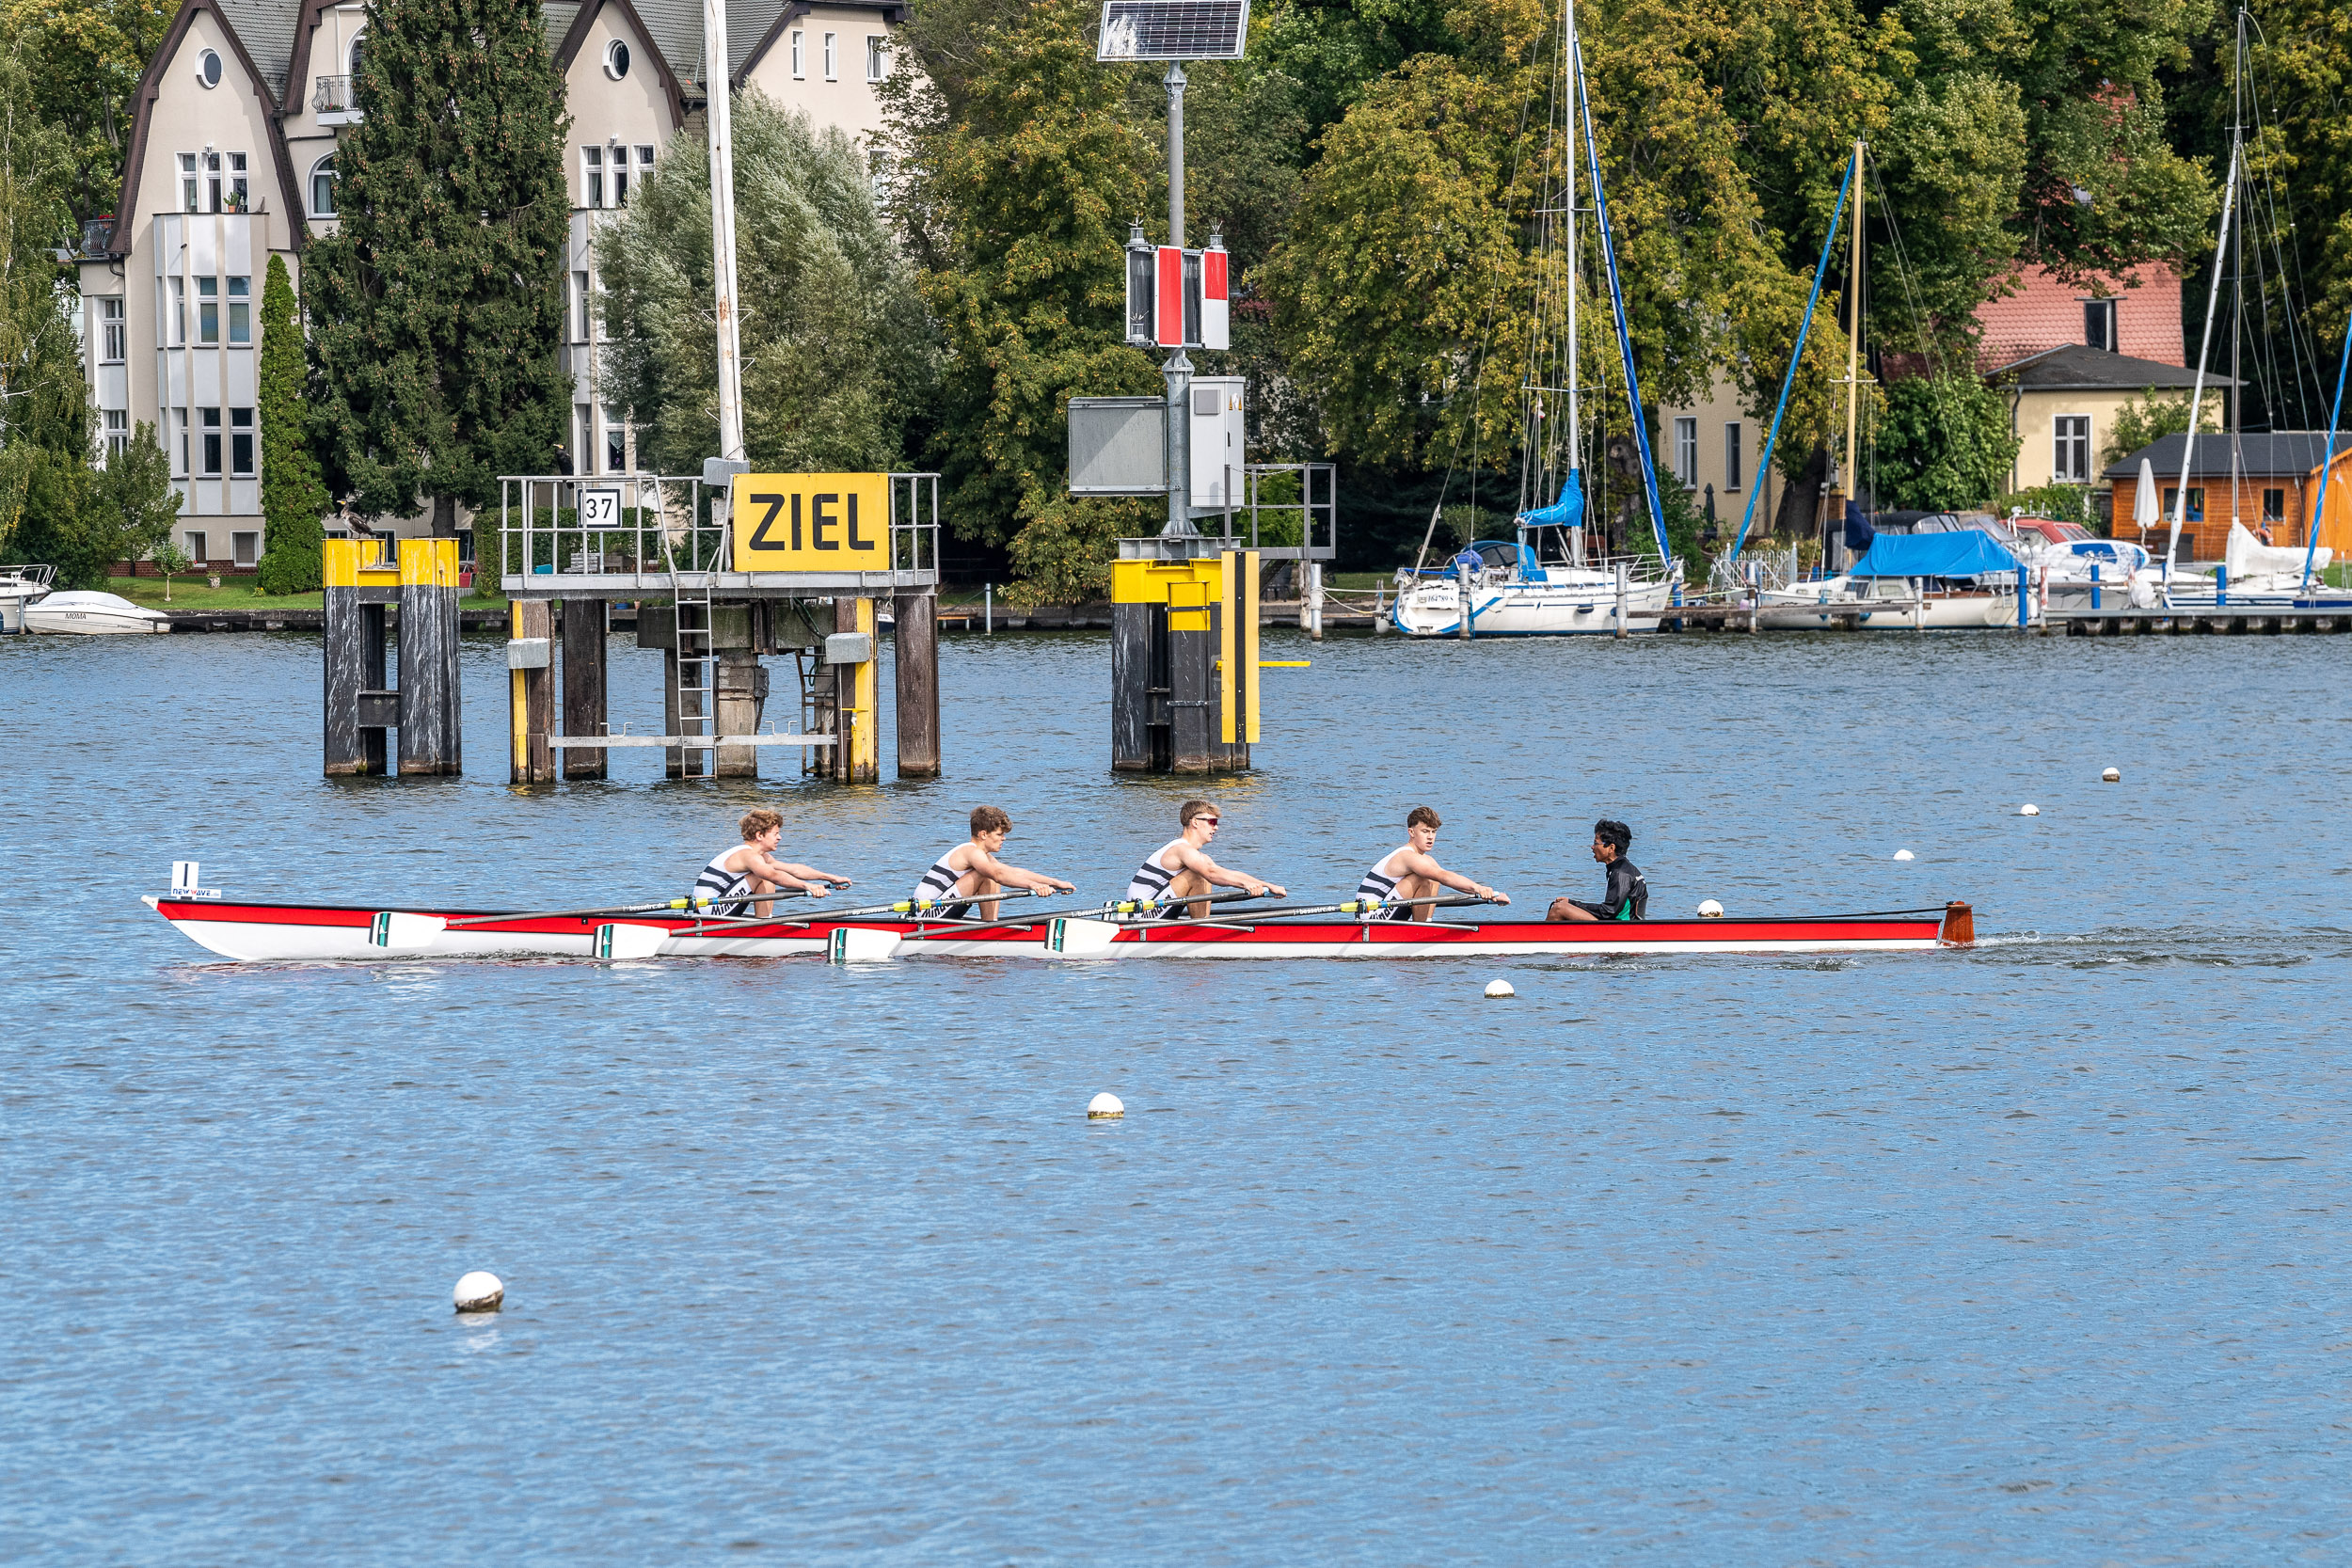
208, 68
616, 60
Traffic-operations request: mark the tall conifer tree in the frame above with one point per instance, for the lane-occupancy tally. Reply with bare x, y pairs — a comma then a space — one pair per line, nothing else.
293, 498
436, 308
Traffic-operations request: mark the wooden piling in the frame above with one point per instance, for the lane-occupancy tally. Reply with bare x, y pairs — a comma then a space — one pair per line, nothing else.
531, 699
359, 708
585, 686
429, 720
914, 655
857, 759
742, 696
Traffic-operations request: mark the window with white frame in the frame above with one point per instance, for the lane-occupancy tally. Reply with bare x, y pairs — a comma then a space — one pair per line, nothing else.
620, 176
322, 189
585, 439
199, 551
2275, 505
2099, 324
191, 188
645, 161
176, 321
799, 70
112, 339
234, 191
1687, 452
592, 176
208, 441
179, 447
1734, 465
2070, 454
208, 311
877, 56
247, 549
240, 311
830, 53
241, 443
580, 295
118, 432
616, 442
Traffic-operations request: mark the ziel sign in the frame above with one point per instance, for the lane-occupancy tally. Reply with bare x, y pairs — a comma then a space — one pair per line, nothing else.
812, 522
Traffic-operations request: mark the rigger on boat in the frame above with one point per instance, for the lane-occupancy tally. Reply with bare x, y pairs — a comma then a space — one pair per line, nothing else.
1184, 920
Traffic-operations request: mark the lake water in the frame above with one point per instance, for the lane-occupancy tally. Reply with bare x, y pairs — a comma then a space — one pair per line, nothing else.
2029, 1254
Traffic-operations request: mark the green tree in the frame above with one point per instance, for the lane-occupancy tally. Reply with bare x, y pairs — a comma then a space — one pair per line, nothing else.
1943, 442
436, 307
2148, 419
1018, 200
45, 514
837, 353
135, 496
91, 54
293, 497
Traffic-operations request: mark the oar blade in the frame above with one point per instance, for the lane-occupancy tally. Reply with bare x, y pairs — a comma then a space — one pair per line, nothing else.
1075, 936
858, 944
400, 931
628, 940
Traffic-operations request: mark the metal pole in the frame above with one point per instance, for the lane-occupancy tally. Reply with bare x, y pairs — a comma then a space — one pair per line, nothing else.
722, 227
1462, 573
988, 609
1178, 369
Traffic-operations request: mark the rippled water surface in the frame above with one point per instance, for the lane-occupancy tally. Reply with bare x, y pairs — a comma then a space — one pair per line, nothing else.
2032, 1254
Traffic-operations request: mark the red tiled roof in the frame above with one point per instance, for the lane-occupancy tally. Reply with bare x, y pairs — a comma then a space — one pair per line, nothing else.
2045, 314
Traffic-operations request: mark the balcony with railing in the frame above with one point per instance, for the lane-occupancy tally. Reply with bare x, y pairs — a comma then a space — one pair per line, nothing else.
333, 100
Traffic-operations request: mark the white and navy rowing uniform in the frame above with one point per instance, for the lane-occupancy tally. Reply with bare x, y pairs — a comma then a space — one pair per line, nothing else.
1151, 879
717, 884
940, 882
1379, 884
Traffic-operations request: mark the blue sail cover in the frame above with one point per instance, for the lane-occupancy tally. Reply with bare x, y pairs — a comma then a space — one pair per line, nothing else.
1963, 554
1567, 511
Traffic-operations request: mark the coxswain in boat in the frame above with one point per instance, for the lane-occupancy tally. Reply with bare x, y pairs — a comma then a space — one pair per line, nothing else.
1406, 873
1623, 894
972, 870
752, 869
1182, 869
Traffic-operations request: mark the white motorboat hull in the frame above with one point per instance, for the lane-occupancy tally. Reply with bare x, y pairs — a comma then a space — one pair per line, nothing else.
90, 614
1831, 605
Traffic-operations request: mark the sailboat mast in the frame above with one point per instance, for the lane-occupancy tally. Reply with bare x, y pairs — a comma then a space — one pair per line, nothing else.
2237, 270
1854, 328
2197, 385
1567, 55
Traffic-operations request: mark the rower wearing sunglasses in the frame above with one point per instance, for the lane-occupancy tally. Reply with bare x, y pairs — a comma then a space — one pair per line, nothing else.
1182, 869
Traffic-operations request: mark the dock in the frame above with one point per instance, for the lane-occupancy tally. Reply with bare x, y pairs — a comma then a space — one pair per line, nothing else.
2204, 620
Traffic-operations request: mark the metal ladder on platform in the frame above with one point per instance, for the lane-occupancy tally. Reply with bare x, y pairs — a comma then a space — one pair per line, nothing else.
696, 695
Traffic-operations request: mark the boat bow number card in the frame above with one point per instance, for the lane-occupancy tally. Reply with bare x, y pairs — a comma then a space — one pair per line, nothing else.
812, 522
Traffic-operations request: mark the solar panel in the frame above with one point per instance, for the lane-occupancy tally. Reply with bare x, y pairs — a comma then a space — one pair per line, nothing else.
1173, 29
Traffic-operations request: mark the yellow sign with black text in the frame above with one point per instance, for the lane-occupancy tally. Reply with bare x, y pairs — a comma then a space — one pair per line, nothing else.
812, 522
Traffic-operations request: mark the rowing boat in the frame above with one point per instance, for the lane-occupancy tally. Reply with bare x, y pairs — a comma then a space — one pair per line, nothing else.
307, 933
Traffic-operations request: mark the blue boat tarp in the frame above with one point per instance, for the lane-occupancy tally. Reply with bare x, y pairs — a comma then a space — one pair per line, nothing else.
1965, 554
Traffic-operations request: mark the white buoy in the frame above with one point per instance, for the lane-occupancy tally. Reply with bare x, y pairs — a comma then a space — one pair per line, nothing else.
1500, 988
2113, 775
479, 1291
1711, 910
1904, 855
2030, 809
1104, 1107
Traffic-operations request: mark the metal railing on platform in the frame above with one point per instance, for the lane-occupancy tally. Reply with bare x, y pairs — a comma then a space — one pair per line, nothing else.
624, 535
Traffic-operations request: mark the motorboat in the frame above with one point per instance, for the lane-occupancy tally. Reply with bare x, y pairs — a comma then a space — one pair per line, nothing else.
20, 586
1505, 590
1961, 579
2078, 570
89, 614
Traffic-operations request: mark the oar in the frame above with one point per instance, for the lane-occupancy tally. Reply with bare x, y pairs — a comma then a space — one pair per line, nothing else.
625, 908
1353, 906
1041, 918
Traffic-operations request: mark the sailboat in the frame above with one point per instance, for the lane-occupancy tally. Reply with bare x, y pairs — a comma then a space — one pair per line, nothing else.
1540, 582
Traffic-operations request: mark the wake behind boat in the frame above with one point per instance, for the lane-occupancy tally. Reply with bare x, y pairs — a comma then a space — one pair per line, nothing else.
250, 932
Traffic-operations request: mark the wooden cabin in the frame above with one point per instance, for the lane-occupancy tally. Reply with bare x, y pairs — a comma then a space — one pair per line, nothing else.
2276, 487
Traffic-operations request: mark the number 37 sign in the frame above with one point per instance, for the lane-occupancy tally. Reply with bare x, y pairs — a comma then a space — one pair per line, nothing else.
812, 522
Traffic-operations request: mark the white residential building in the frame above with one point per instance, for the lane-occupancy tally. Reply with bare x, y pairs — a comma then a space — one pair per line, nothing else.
231, 160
